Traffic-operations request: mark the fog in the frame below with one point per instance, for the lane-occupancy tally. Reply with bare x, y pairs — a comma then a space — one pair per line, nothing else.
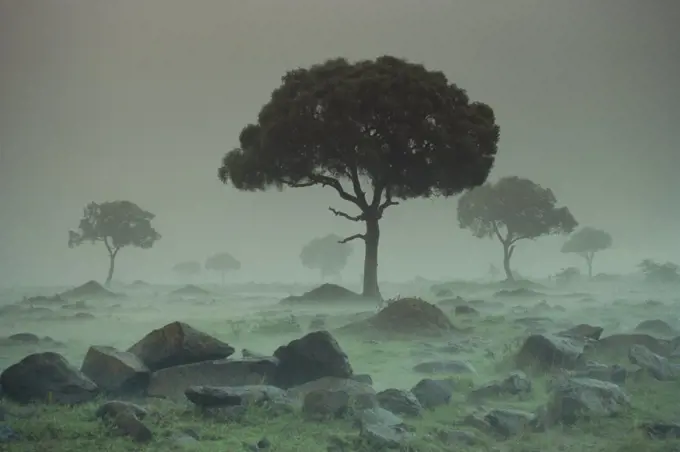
139, 100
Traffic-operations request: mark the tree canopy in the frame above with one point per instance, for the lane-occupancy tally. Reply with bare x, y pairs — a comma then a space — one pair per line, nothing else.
117, 224
222, 262
375, 131
586, 242
513, 209
326, 254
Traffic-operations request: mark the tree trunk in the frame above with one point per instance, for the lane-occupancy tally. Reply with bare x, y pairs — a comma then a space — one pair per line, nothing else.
112, 264
372, 238
507, 254
589, 260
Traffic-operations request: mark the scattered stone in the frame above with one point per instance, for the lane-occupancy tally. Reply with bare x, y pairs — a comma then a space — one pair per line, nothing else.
517, 383
466, 310
111, 409
573, 399
178, 343
445, 367
400, 402
656, 327
545, 352
190, 290
657, 366
506, 423
116, 372
313, 356
171, 382
433, 393
592, 369
620, 344
583, 331
220, 396
130, 425
44, 377
359, 394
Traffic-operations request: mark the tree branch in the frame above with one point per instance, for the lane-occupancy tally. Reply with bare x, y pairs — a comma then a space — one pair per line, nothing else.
388, 201
338, 213
353, 237
333, 182
498, 233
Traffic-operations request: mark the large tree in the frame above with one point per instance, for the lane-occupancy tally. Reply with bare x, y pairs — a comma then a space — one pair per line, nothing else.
586, 242
513, 209
222, 263
187, 268
326, 254
116, 224
375, 131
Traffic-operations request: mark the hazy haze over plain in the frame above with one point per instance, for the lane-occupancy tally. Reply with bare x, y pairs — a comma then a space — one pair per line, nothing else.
140, 99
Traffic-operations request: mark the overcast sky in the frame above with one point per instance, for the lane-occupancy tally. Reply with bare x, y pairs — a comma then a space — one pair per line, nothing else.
140, 99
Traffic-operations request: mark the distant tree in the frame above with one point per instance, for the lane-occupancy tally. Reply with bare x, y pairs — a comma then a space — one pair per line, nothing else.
567, 275
586, 242
187, 268
390, 129
493, 272
513, 209
117, 224
326, 254
222, 263
656, 272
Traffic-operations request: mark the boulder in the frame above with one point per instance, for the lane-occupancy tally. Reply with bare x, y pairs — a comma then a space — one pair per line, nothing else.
547, 351
116, 372
172, 382
178, 343
47, 376
313, 356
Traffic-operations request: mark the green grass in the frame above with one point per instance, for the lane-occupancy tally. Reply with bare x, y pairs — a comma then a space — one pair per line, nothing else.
61, 429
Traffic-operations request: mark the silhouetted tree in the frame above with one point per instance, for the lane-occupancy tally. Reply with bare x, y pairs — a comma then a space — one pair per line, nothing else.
391, 130
513, 209
117, 224
656, 272
586, 242
222, 262
327, 254
187, 268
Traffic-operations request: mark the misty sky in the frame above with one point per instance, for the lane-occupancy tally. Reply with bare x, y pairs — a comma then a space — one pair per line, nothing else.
140, 99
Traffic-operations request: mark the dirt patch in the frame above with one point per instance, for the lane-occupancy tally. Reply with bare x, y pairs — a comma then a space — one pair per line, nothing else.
325, 293
407, 316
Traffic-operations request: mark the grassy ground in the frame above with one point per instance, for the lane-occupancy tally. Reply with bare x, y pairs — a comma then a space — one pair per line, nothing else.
61, 429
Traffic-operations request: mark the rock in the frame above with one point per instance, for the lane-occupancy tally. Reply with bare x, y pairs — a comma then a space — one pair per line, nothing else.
220, 396
44, 377
111, 409
400, 402
116, 372
546, 351
171, 382
322, 404
377, 415
178, 343
314, 356
26, 338
657, 326
507, 423
466, 310
584, 398
359, 394
516, 383
657, 366
411, 316
8, 434
362, 378
591, 369
445, 367
130, 425
583, 331
620, 344
661, 430
433, 393
382, 429
190, 290
455, 438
